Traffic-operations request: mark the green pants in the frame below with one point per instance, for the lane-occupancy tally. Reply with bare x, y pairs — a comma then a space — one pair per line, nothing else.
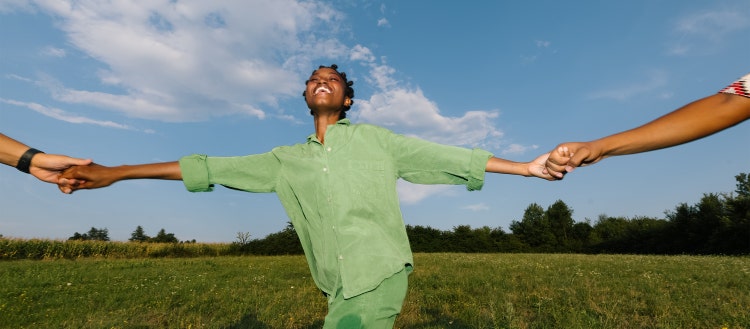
376, 309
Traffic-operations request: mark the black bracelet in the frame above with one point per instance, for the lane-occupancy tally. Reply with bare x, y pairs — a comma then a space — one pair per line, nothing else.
25, 161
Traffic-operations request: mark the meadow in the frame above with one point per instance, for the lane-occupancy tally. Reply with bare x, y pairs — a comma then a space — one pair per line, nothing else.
447, 290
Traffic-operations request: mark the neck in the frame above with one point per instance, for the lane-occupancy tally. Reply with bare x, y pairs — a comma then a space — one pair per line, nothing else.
322, 121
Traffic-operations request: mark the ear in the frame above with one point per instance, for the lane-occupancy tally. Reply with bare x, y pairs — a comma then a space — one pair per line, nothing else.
347, 102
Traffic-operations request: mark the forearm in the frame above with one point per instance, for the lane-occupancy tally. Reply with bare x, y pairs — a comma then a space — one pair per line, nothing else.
11, 150
690, 122
502, 166
164, 170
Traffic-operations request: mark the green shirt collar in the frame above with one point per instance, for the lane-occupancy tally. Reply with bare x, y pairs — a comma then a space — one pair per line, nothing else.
313, 138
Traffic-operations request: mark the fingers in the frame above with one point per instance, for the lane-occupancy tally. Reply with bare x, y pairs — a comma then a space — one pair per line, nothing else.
580, 157
556, 164
69, 185
80, 162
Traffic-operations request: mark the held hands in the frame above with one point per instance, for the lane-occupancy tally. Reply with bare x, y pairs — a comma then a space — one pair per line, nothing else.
537, 168
47, 167
567, 156
85, 177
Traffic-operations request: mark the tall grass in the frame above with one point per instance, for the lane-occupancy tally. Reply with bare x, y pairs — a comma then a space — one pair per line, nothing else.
38, 249
446, 291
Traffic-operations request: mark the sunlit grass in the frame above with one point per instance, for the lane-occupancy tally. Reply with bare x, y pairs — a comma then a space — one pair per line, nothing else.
446, 291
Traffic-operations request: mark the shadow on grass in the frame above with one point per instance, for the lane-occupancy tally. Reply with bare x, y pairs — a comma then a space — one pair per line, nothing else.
437, 320
250, 321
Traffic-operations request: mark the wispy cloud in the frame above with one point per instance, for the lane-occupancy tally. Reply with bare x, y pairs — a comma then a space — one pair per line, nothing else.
651, 84
706, 31
407, 110
53, 52
409, 193
542, 48
477, 207
61, 115
516, 149
190, 61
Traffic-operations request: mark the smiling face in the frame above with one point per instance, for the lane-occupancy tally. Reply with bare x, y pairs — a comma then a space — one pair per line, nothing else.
326, 91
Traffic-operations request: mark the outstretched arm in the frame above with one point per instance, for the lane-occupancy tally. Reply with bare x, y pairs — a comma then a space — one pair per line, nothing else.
45, 167
96, 176
534, 168
690, 122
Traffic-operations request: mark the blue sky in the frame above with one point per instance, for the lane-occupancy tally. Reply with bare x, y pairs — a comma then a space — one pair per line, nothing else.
127, 82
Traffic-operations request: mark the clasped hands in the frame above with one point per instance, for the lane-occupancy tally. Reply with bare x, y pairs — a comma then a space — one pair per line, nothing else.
84, 177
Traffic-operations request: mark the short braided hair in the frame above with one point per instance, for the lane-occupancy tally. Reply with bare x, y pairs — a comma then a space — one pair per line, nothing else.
349, 92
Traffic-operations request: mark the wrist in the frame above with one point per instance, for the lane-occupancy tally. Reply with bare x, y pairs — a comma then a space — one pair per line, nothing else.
24, 162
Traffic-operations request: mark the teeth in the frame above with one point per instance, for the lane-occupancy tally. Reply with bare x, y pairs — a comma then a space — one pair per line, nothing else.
322, 89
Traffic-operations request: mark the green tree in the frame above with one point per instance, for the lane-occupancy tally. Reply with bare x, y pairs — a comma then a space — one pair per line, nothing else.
607, 230
581, 236
426, 239
560, 219
139, 235
743, 185
164, 237
285, 242
93, 234
534, 229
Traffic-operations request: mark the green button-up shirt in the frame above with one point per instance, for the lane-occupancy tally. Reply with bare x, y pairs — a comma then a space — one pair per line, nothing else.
341, 196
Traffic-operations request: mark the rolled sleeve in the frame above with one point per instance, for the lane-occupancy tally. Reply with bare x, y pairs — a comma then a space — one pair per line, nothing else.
195, 173
477, 169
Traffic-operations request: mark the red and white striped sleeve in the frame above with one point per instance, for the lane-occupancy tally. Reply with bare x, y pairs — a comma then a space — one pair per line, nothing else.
739, 87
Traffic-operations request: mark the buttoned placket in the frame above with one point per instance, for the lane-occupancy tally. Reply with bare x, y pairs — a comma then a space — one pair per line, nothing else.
327, 153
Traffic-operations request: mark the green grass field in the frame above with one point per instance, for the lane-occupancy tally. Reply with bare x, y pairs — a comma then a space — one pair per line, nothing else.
446, 291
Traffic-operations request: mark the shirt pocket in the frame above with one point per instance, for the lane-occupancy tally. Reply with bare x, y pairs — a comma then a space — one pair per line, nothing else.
367, 181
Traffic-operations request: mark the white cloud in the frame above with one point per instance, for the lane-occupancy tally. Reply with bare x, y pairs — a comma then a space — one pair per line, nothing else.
64, 116
477, 207
707, 31
53, 52
542, 44
383, 22
653, 83
408, 111
189, 60
409, 193
361, 53
515, 149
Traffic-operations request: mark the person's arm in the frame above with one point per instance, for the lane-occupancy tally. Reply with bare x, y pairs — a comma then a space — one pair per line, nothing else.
45, 167
690, 122
534, 168
97, 176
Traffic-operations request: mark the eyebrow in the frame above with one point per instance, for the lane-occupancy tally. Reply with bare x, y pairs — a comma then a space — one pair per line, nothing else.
324, 75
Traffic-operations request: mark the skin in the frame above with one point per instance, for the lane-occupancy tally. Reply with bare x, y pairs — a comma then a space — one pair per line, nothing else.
693, 121
325, 97
45, 167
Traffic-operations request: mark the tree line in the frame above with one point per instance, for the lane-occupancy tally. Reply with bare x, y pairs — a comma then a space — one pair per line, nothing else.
139, 235
717, 224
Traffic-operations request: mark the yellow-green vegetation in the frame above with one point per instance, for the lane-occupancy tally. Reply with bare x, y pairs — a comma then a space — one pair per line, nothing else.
446, 291
15, 249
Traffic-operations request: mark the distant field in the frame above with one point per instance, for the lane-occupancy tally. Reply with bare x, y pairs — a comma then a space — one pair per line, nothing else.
446, 291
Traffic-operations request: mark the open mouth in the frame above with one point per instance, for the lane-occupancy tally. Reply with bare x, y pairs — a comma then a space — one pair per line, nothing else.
321, 89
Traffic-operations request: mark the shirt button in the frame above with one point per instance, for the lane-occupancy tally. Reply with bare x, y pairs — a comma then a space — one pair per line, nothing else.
328, 149
341, 257
325, 169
